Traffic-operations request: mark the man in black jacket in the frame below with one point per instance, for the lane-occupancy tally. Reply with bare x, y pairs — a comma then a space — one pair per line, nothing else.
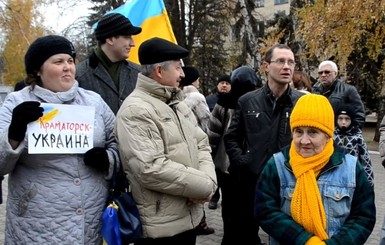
259, 128
107, 71
338, 92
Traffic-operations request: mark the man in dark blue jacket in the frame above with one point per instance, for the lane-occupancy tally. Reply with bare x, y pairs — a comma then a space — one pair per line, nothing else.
223, 87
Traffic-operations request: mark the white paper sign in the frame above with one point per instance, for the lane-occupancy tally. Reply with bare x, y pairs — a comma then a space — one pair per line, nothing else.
62, 129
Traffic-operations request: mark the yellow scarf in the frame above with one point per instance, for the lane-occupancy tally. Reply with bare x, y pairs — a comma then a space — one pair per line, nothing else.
306, 206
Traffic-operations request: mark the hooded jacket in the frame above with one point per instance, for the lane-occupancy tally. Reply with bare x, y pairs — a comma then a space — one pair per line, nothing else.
243, 80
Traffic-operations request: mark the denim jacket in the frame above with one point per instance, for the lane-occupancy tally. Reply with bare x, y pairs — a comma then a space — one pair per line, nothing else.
336, 187
346, 194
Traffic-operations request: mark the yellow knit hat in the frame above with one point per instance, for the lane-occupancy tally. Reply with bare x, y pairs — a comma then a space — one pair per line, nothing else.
313, 110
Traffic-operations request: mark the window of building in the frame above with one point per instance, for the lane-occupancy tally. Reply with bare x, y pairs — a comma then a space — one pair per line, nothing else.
260, 3
276, 2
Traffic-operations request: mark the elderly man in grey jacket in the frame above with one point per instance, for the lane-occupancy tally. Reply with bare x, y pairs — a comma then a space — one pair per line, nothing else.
164, 152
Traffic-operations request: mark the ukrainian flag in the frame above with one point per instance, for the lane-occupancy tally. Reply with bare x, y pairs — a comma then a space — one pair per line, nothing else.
152, 16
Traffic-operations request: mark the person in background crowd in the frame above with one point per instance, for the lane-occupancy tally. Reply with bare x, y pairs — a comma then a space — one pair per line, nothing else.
54, 198
301, 82
244, 76
348, 135
243, 80
197, 103
223, 87
164, 152
338, 92
194, 99
313, 191
259, 128
381, 149
107, 71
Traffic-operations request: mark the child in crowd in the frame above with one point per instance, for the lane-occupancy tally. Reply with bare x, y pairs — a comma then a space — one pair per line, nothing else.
349, 135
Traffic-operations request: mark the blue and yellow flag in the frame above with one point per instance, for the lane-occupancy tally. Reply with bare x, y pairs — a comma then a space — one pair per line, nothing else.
152, 16
110, 226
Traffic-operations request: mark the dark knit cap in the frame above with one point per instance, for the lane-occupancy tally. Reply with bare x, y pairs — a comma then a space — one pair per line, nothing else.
225, 78
346, 109
190, 75
115, 24
43, 48
156, 50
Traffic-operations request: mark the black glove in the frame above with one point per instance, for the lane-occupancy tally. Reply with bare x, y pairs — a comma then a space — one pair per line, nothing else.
23, 114
97, 158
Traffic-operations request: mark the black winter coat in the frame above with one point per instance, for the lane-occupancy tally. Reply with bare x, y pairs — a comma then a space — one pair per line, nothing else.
259, 128
340, 92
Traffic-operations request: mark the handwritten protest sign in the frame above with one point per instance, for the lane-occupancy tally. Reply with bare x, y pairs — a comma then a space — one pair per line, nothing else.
62, 129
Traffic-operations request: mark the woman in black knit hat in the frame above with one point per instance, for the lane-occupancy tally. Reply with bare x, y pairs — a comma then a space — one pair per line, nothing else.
197, 103
194, 99
54, 197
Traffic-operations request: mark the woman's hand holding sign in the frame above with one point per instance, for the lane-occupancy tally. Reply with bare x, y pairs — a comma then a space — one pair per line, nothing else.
97, 158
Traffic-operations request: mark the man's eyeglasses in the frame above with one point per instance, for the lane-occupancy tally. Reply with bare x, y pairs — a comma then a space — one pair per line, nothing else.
322, 72
282, 62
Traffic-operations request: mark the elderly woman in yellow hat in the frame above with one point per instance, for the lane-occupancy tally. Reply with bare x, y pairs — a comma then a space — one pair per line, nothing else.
314, 192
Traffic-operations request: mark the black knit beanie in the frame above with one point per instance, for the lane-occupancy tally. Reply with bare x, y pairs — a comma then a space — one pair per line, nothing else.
225, 78
43, 48
346, 109
115, 24
190, 75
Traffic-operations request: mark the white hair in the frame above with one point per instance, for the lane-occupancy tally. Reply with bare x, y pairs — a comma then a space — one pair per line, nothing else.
328, 62
148, 69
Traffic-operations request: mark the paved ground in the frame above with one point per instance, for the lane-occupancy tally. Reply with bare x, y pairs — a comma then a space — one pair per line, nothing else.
214, 216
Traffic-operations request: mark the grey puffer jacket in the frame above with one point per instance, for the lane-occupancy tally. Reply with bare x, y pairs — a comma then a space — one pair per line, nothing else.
92, 75
166, 156
55, 198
